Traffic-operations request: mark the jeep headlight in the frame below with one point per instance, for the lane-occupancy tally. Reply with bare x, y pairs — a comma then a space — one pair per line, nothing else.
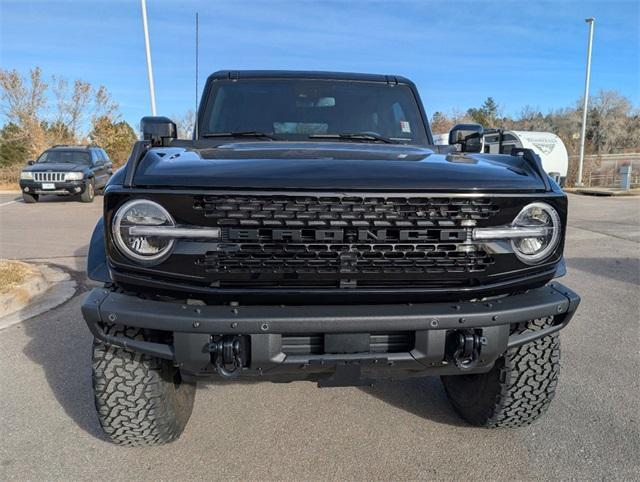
27, 176
74, 176
545, 221
129, 233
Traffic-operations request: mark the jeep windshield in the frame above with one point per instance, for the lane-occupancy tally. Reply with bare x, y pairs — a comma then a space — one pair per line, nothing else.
65, 157
320, 110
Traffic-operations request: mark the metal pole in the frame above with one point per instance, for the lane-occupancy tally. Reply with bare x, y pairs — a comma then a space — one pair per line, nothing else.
590, 21
195, 128
152, 92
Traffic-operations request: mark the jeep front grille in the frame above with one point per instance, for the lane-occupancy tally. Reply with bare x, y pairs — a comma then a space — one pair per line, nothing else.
49, 176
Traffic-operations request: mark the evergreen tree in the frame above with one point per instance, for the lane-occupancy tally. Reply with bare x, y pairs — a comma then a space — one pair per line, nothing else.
12, 147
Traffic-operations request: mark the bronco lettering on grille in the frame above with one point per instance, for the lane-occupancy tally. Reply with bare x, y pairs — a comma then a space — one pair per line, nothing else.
341, 235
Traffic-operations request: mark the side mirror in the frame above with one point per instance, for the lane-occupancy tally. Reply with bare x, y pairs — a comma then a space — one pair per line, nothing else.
469, 136
31, 162
159, 130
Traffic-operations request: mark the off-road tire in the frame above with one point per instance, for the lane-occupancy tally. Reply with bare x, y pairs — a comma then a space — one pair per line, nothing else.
89, 192
140, 399
30, 198
517, 390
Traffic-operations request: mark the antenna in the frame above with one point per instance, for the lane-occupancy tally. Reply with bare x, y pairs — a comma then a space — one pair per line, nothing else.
195, 127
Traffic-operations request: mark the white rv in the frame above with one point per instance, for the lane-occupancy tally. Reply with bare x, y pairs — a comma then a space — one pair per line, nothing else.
547, 145
441, 139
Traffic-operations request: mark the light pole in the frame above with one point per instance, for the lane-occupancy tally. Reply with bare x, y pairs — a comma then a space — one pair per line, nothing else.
195, 124
152, 92
590, 21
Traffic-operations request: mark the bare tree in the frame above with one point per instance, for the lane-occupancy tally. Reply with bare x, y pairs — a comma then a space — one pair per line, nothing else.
608, 122
38, 124
75, 106
460, 117
23, 103
531, 119
104, 105
185, 124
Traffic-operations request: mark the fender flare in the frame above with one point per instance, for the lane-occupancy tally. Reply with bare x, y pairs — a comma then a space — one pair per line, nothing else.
97, 266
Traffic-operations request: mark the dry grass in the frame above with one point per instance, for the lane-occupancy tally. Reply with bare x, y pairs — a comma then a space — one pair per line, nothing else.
9, 177
12, 274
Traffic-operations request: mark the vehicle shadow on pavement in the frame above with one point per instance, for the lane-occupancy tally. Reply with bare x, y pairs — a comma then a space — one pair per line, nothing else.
626, 270
52, 199
61, 344
423, 397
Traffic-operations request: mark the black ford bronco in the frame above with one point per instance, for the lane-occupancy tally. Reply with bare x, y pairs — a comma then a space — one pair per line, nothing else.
311, 230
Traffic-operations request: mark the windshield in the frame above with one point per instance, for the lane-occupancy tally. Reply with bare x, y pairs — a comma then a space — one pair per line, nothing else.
67, 157
299, 109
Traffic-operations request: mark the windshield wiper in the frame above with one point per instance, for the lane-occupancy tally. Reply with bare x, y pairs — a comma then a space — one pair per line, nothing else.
364, 136
240, 134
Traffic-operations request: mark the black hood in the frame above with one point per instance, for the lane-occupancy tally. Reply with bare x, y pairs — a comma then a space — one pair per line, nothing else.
56, 167
333, 166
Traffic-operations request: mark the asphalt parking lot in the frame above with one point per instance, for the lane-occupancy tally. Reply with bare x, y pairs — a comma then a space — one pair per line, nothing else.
396, 430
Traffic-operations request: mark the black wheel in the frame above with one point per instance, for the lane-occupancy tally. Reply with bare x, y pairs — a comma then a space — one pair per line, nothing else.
89, 193
517, 390
30, 198
140, 399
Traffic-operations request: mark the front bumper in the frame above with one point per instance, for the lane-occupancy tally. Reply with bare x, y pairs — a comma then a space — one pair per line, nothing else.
64, 188
192, 328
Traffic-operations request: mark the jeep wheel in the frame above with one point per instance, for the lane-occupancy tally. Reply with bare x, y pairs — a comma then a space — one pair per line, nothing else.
89, 193
517, 390
30, 198
140, 399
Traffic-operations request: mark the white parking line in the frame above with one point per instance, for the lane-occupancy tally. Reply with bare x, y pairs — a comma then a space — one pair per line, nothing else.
10, 202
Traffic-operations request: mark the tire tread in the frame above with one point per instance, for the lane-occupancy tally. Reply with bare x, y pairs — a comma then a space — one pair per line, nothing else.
136, 402
520, 387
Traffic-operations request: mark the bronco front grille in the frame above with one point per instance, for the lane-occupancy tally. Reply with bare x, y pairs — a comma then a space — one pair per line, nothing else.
345, 258
49, 176
350, 211
344, 240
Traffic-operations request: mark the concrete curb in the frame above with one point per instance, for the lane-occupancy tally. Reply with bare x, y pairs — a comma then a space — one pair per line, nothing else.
19, 296
48, 288
595, 191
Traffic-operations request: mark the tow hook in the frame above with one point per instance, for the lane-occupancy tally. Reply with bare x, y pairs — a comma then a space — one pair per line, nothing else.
463, 347
229, 354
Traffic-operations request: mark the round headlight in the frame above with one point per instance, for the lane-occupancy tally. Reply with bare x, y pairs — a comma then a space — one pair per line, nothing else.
537, 248
142, 248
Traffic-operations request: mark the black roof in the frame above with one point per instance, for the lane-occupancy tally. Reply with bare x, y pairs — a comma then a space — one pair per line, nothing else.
307, 74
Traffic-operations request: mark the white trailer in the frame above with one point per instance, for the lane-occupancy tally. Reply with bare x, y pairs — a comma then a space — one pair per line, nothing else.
441, 139
547, 145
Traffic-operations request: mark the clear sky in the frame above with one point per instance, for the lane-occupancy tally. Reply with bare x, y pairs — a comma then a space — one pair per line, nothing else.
457, 52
